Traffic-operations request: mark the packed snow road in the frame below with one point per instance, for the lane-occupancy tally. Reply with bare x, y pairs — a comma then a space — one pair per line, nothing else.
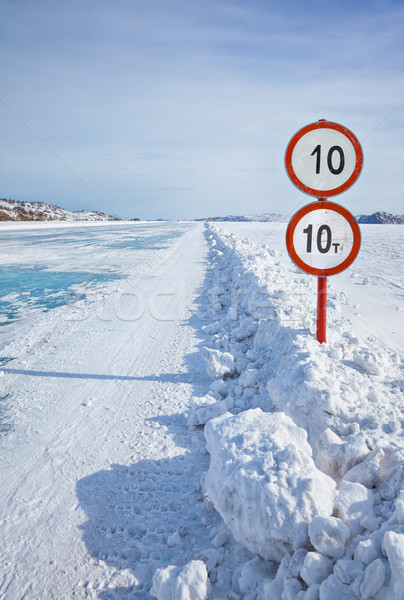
182, 435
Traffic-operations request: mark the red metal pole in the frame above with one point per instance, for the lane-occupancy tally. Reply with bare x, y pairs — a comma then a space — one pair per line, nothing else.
321, 309
321, 305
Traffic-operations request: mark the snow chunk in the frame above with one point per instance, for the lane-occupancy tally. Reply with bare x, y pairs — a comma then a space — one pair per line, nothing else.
370, 362
336, 456
400, 508
312, 593
368, 471
249, 378
246, 329
220, 539
353, 503
174, 539
316, 568
394, 545
333, 589
328, 535
375, 575
212, 328
218, 364
330, 449
212, 557
371, 523
291, 588
174, 583
253, 572
347, 570
367, 551
263, 481
232, 314
296, 563
203, 414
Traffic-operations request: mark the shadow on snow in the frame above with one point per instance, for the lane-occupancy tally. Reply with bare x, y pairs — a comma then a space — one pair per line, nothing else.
164, 377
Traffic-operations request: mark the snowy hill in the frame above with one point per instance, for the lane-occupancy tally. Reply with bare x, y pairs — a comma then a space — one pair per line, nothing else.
12, 210
381, 218
264, 218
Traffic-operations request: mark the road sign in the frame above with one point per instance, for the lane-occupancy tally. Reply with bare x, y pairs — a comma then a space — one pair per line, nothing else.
323, 238
323, 159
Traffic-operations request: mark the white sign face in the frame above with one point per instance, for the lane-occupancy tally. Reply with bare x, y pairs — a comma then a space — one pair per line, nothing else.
324, 159
323, 238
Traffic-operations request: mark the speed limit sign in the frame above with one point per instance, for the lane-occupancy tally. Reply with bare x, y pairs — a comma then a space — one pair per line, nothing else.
324, 159
323, 238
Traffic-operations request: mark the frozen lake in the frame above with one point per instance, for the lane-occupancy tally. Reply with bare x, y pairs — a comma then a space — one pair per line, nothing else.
42, 268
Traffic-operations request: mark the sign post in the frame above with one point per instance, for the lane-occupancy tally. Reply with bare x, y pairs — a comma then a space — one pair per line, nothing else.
321, 309
323, 159
323, 238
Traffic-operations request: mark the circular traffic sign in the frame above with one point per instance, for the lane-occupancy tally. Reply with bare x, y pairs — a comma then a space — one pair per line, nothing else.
324, 159
323, 238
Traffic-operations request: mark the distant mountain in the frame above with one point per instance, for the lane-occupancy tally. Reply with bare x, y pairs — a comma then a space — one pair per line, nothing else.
13, 210
381, 218
377, 217
265, 218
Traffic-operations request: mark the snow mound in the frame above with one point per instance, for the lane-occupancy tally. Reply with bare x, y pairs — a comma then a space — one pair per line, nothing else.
263, 481
188, 583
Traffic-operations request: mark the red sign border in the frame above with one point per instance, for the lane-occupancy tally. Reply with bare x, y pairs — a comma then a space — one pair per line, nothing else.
324, 125
323, 204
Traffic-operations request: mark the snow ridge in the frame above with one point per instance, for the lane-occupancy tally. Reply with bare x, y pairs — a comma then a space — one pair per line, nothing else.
283, 412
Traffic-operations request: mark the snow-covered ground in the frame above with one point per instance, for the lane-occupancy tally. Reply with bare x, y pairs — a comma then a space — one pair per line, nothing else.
183, 436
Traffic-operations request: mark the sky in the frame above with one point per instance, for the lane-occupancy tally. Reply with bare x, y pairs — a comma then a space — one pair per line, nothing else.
184, 108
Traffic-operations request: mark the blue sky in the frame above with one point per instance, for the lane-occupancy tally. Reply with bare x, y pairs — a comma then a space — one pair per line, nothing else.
184, 108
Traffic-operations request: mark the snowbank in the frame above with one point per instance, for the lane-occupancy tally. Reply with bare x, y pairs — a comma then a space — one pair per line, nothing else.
330, 419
